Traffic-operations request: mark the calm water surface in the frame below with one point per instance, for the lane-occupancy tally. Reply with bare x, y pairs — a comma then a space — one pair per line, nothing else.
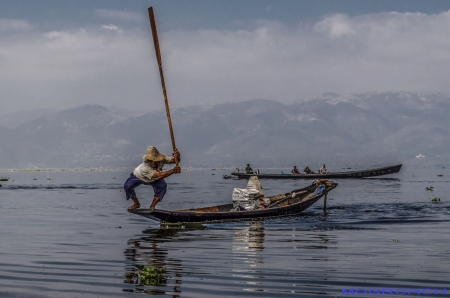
71, 236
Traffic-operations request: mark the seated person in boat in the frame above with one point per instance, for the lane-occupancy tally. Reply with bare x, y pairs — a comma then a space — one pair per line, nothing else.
323, 170
150, 172
295, 171
248, 170
307, 170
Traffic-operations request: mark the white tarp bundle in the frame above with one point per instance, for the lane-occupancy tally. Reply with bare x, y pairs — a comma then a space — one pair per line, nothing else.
249, 198
245, 199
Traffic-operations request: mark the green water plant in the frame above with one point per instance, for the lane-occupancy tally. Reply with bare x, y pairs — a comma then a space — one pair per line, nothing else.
429, 188
147, 275
435, 199
4, 179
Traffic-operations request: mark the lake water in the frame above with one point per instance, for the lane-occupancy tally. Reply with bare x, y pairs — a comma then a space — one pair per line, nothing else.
71, 236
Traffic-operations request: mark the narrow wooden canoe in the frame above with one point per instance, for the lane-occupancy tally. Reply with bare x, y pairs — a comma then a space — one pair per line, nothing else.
334, 175
286, 204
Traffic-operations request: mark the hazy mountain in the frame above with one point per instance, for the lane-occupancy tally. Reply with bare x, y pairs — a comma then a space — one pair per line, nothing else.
361, 129
12, 120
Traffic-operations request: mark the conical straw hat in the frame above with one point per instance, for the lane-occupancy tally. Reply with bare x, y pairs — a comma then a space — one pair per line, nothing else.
152, 154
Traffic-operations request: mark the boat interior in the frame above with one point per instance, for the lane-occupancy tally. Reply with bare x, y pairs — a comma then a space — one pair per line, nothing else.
279, 200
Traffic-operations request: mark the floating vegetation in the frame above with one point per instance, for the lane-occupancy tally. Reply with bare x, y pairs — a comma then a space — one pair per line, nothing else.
147, 275
395, 240
440, 175
429, 188
4, 179
435, 199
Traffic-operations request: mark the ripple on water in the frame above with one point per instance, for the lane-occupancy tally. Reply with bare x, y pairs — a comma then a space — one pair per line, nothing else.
78, 240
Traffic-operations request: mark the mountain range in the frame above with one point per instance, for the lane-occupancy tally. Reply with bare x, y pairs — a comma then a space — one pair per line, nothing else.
370, 129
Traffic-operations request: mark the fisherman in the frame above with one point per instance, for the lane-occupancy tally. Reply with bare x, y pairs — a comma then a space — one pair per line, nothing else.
149, 172
295, 171
248, 170
307, 170
323, 170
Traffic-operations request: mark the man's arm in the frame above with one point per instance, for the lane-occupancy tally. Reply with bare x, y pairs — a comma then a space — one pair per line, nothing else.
159, 175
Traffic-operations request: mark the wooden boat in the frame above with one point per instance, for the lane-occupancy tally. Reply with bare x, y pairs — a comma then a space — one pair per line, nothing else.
334, 175
286, 204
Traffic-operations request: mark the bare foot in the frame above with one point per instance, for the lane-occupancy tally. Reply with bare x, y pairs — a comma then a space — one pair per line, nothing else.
134, 206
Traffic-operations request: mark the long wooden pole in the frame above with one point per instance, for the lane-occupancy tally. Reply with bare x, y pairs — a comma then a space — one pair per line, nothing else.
158, 57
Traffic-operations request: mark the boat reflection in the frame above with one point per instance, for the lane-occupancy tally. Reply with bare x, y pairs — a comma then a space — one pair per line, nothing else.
256, 270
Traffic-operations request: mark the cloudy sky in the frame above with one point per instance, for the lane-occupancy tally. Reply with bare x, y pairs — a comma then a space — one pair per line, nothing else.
62, 54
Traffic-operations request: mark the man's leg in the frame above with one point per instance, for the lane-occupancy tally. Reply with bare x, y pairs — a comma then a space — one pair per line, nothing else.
129, 186
155, 201
159, 187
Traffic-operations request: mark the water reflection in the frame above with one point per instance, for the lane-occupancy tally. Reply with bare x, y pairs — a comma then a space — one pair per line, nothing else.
233, 258
150, 251
248, 243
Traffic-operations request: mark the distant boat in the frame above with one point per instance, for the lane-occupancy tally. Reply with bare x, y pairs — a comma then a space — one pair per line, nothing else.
420, 155
282, 205
349, 174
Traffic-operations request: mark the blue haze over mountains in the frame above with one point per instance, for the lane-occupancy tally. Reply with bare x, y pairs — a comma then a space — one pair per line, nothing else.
370, 129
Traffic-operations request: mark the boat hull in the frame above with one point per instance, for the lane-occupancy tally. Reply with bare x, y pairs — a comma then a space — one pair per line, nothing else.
201, 215
353, 174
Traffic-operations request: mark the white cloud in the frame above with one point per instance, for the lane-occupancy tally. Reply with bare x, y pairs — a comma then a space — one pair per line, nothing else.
377, 52
336, 25
110, 27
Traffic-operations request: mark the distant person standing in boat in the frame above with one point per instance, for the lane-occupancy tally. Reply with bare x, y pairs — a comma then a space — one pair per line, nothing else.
248, 170
149, 172
295, 171
323, 169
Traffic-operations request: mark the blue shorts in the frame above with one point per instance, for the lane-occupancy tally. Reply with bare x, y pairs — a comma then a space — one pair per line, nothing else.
159, 186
